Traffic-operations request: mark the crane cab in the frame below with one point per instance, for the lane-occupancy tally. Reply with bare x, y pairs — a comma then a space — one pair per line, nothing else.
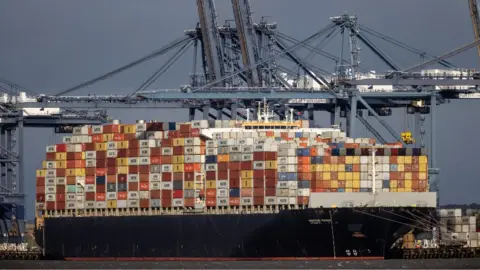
407, 137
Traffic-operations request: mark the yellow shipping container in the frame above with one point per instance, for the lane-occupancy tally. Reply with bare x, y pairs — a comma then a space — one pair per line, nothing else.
246, 183
314, 168
356, 160
356, 184
422, 176
178, 142
99, 146
356, 176
178, 159
246, 174
423, 167
334, 184
408, 176
348, 190
122, 145
320, 167
401, 160
394, 190
44, 164
211, 184
122, 169
326, 175
400, 167
122, 162
400, 189
408, 184
41, 173
271, 165
340, 167
70, 172
327, 167
341, 176
198, 185
61, 164
111, 204
349, 184
422, 160
393, 184
348, 176
177, 167
190, 184
348, 160
107, 137
80, 172
61, 156
129, 129
408, 189
408, 159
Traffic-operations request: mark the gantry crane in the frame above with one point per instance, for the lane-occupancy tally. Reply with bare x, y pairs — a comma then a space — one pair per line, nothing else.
475, 21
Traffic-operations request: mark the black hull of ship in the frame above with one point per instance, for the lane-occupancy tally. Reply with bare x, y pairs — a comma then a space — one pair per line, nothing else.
362, 233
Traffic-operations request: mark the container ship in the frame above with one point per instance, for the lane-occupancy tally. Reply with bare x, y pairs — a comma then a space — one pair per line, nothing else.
263, 189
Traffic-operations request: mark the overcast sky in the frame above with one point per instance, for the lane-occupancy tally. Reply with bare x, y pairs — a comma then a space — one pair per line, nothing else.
48, 46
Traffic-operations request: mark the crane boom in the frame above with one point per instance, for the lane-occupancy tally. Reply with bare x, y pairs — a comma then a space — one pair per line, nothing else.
475, 21
247, 37
211, 40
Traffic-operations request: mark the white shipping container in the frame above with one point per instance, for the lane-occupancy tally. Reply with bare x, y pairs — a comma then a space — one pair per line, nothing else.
100, 205
222, 193
147, 143
247, 157
154, 185
122, 204
465, 228
50, 197
189, 159
154, 135
50, 181
247, 148
81, 130
51, 148
145, 152
133, 161
222, 201
177, 203
90, 188
199, 158
458, 228
155, 177
167, 186
50, 164
90, 154
473, 243
167, 168
39, 206
141, 127
223, 184
211, 167
245, 141
245, 201
90, 163
70, 205
71, 197
50, 190
133, 195
80, 198
89, 205
111, 195
61, 180
270, 200
281, 192
51, 173
144, 161
111, 145
450, 212
132, 177
132, 204
167, 151
305, 192
144, 194
211, 151
282, 201
259, 165
111, 153
80, 205
211, 143
97, 129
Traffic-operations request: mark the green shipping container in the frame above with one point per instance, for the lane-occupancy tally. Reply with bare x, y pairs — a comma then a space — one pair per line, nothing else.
71, 188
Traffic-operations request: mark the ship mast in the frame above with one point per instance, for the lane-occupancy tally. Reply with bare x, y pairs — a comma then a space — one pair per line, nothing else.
374, 178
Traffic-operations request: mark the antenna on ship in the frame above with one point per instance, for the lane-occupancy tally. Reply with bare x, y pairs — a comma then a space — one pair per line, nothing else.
374, 150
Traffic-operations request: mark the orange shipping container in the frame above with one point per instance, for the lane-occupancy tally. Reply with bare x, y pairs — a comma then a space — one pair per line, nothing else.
100, 197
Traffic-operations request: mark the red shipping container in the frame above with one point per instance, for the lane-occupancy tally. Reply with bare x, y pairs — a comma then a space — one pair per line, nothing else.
234, 166
246, 192
189, 202
96, 138
133, 152
195, 132
90, 196
270, 191
100, 188
258, 200
60, 189
133, 186
258, 156
133, 144
122, 195
166, 177
258, 183
61, 172
60, 205
130, 136
271, 155
50, 206
122, 153
144, 177
111, 170
234, 183
100, 197
40, 181
178, 194
155, 151
61, 148
41, 190
122, 178
100, 171
166, 194
155, 194
145, 169
211, 175
270, 182
144, 186
166, 202
71, 180
101, 155
144, 203
178, 150
222, 166
89, 179
113, 128
189, 176
271, 173
188, 167
258, 174
211, 202
177, 176
40, 197
167, 159
50, 157
118, 137
167, 142
90, 171
302, 200
89, 147
233, 175
246, 165
111, 162
111, 178
133, 169
233, 201
60, 197
156, 160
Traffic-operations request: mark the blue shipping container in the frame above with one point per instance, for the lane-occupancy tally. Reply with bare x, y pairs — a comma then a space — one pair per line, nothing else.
298, 134
393, 167
365, 189
100, 180
234, 192
303, 152
335, 152
172, 125
303, 184
210, 159
348, 167
386, 184
341, 190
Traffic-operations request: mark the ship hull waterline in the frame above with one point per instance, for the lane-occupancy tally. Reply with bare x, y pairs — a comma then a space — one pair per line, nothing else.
323, 233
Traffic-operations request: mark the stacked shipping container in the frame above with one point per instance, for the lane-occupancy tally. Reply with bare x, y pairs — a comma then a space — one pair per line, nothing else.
164, 165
